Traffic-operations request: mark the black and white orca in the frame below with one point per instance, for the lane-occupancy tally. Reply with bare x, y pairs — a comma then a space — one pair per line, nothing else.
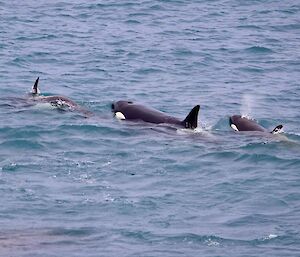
126, 110
57, 101
242, 123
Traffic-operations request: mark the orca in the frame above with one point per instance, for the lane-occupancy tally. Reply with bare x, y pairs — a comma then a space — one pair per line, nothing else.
242, 123
127, 110
57, 101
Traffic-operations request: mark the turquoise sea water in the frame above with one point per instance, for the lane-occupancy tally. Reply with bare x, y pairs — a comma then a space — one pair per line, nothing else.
75, 186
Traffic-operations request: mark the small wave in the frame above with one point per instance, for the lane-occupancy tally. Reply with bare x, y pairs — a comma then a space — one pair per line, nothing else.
258, 158
21, 144
37, 38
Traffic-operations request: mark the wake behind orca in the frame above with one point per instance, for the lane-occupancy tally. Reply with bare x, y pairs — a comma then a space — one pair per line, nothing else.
126, 110
241, 123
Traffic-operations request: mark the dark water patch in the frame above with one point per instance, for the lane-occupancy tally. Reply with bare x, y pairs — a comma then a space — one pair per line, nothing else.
146, 71
168, 32
157, 7
71, 35
252, 69
259, 50
184, 52
74, 232
250, 27
265, 12
132, 22
292, 164
292, 197
10, 167
18, 62
140, 14
293, 9
225, 155
152, 52
287, 27
37, 38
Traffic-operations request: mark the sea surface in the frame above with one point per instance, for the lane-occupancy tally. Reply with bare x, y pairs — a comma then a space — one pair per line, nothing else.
81, 186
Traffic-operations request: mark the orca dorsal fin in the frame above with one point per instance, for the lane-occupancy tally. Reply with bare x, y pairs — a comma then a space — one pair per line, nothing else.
277, 129
191, 121
35, 89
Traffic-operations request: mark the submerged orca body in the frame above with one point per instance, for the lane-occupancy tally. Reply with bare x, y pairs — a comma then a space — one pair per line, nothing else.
126, 110
241, 123
60, 102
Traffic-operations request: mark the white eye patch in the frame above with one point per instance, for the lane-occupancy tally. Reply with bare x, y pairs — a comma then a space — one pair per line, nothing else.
120, 116
234, 127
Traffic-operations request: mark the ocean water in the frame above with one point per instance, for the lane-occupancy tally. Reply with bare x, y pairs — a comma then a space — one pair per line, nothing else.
96, 186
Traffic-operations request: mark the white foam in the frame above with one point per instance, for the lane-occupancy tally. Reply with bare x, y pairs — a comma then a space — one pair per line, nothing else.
189, 131
269, 237
44, 106
210, 242
197, 131
247, 117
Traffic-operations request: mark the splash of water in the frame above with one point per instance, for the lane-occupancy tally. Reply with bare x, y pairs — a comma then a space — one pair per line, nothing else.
247, 105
